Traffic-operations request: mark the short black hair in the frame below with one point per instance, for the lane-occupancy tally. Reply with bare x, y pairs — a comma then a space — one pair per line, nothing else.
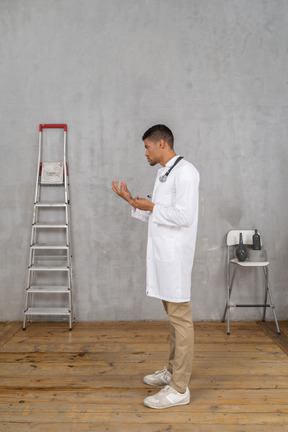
160, 131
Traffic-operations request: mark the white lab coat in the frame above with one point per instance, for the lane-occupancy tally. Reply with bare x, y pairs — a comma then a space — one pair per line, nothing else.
172, 229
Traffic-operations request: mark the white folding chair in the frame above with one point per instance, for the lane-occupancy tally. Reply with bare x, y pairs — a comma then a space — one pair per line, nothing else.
232, 241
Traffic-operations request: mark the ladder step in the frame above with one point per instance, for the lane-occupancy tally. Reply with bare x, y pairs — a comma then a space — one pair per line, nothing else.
47, 311
48, 289
51, 257
50, 225
51, 184
51, 204
51, 246
48, 268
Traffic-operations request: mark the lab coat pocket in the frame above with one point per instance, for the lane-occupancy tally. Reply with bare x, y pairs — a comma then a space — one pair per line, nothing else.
164, 249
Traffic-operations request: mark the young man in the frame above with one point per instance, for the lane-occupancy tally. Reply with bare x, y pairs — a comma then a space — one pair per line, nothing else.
172, 217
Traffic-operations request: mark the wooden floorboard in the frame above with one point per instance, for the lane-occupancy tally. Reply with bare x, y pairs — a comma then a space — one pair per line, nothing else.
282, 339
90, 379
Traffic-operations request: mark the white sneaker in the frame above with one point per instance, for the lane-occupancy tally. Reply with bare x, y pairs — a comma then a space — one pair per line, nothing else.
159, 378
167, 397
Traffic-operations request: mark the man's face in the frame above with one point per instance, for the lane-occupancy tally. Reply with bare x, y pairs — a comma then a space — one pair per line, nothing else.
152, 151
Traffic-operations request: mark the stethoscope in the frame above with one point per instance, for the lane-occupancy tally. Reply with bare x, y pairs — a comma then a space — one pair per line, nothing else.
164, 177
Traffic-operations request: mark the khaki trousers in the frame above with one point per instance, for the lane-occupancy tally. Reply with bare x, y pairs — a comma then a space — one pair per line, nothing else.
181, 344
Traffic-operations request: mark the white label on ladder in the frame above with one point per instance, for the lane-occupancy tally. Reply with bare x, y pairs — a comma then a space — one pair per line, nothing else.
52, 173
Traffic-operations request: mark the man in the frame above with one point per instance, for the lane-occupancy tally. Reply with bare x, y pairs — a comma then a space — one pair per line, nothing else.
172, 217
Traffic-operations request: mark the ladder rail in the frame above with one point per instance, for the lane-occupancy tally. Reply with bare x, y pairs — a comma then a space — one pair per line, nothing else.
65, 167
39, 166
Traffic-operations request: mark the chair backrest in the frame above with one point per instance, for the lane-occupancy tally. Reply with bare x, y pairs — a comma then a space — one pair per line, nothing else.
233, 237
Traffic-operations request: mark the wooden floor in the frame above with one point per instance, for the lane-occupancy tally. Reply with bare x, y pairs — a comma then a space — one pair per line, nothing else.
90, 379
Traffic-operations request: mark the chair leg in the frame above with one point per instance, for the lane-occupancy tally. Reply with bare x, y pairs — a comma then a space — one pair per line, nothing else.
227, 307
225, 311
229, 291
271, 301
266, 294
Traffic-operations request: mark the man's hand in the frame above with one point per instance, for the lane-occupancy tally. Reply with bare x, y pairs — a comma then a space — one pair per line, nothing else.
123, 192
143, 204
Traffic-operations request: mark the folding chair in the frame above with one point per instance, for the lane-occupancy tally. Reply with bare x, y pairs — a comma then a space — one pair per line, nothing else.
232, 241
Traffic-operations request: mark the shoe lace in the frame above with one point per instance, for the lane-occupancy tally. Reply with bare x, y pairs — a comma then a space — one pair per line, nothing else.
162, 371
167, 389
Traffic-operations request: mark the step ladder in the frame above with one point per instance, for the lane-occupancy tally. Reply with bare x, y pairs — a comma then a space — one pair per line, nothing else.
49, 285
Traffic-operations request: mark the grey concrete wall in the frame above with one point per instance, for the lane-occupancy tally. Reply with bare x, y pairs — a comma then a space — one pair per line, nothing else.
214, 71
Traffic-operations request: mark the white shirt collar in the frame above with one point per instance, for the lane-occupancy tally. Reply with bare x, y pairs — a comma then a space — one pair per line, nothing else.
171, 161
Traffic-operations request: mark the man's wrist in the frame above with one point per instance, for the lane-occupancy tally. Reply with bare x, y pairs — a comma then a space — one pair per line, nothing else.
131, 202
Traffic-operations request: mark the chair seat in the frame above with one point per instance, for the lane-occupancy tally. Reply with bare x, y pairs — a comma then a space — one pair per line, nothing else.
250, 263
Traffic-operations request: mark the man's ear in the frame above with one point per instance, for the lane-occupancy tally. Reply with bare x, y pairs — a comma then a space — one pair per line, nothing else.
161, 143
